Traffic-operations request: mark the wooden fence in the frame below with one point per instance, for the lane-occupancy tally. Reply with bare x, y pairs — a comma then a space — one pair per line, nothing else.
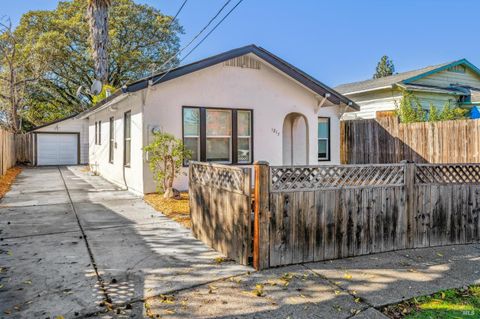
220, 208
316, 213
15, 148
7, 151
385, 140
24, 148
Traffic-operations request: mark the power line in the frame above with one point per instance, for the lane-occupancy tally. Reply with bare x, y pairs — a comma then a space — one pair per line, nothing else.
211, 31
196, 36
176, 14
201, 41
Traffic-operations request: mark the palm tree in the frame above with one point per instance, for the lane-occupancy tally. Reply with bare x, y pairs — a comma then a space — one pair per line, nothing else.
98, 19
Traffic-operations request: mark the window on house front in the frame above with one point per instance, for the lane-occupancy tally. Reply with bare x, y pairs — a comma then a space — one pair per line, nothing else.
111, 145
127, 146
244, 142
218, 135
99, 132
191, 132
96, 133
323, 139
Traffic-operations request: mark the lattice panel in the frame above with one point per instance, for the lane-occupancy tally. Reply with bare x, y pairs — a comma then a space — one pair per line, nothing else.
300, 178
218, 176
447, 174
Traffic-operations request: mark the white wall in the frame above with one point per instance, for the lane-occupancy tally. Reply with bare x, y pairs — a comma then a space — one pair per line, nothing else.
270, 94
73, 126
116, 172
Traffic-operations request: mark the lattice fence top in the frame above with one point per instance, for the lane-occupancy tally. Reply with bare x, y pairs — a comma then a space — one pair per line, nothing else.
447, 174
302, 178
225, 177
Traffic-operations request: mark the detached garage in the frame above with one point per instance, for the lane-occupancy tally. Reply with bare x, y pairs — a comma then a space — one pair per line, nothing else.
63, 142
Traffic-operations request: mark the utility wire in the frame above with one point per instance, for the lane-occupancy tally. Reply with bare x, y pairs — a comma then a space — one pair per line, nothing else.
211, 31
201, 41
176, 14
195, 37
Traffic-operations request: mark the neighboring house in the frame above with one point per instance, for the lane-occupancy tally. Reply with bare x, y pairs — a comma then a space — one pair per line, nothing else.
63, 142
236, 107
457, 83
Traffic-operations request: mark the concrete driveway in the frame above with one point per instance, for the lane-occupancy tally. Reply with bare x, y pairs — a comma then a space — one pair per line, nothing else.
71, 241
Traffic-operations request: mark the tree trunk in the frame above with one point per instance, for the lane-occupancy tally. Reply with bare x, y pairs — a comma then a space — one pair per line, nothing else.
98, 19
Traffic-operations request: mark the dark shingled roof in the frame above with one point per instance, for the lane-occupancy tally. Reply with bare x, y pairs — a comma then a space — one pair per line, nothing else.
290, 70
385, 81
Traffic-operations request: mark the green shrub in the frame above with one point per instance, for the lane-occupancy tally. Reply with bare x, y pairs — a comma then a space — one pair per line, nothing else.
166, 154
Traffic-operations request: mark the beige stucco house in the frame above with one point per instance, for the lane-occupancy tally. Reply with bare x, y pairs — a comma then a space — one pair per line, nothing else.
235, 108
457, 83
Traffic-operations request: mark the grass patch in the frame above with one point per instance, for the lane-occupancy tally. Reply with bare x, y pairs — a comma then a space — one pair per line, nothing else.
448, 304
7, 180
175, 209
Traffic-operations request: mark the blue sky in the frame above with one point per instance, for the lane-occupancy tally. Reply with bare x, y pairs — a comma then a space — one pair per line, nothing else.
336, 41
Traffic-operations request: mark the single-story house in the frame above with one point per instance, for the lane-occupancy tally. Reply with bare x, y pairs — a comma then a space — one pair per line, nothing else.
62, 142
234, 108
457, 83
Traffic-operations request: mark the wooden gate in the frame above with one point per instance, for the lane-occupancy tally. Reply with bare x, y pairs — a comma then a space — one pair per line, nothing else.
220, 208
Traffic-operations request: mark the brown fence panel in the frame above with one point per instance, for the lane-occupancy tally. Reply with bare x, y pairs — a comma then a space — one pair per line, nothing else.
24, 148
385, 140
220, 208
315, 213
7, 151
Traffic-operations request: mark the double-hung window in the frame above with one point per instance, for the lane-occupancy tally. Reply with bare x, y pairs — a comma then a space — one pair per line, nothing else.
323, 139
111, 139
191, 132
244, 142
127, 141
99, 132
218, 135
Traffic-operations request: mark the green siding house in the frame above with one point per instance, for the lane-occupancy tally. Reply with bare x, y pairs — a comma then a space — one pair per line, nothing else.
457, 83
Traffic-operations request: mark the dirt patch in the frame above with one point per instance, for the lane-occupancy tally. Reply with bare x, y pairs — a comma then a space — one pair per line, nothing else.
7, 180
175, 209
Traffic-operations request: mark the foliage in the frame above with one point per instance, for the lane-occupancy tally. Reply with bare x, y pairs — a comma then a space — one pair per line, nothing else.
410, 110
106, 90
166, 154
140, 38
447, 113
384, 68
20, 68
451, 303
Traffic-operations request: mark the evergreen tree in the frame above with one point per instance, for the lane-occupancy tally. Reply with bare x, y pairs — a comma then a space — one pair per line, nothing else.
385, 67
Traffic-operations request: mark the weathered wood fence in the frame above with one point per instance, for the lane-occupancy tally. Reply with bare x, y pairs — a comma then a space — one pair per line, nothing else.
7, 151
220, 208
24, 148
385, 140
15, 148
315, 213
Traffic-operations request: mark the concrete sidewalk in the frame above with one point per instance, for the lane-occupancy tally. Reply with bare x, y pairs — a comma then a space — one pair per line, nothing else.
70, 241
348, 288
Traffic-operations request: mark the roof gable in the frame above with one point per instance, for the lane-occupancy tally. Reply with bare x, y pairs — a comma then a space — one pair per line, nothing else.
290, 70
442, 68
405, 78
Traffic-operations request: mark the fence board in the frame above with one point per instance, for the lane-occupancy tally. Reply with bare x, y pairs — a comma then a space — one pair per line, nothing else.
220, 208
315, 218
385, 140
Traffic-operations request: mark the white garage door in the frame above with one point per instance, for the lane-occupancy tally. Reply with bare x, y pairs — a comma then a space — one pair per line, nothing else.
57, 149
